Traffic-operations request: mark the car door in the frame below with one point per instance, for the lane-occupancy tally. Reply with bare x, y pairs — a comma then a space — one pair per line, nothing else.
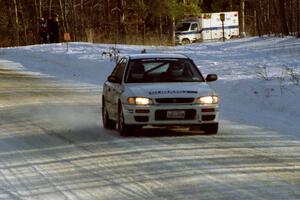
195, 29
114, 89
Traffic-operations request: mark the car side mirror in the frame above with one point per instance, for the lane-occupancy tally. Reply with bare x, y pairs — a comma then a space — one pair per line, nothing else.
211, 77
114, 79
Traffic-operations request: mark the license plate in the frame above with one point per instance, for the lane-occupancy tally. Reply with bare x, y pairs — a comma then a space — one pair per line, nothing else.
175, 114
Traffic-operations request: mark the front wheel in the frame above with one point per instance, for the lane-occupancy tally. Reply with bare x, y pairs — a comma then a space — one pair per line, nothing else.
124, 129
186, 41
107, 123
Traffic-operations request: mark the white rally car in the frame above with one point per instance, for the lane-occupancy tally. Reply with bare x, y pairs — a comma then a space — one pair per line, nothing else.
159, 90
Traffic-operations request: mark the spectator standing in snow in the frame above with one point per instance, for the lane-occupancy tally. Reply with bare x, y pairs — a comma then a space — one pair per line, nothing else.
43, 31
50, 29
53, 27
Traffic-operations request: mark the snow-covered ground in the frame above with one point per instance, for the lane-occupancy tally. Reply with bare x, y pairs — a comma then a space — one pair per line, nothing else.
53, 145
242, 66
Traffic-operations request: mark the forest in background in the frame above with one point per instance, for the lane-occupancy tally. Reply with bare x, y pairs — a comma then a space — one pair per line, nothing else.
137, 21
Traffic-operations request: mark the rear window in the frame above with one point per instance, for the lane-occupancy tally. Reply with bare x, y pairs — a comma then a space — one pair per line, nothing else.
162, 70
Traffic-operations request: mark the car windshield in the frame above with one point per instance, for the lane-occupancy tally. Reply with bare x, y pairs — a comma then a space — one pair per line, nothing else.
162, 70
183, 26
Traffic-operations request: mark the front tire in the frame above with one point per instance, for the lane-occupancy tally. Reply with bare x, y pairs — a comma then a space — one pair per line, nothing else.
107, 123
124, 129
186, 41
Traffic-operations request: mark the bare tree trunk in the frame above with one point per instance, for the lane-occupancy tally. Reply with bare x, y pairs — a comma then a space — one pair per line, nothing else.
16, 27
284, 27
81, 27
50, 8
10, 26
261, 8
269, 18
74, 20
258, 17
298, 18
62, 9
276, 25
40, 9
173, 31
255, 22
36, 22
66, 10
121, 6
160, 27
144, 31
108, 19
291, 17
242, 8
24, 23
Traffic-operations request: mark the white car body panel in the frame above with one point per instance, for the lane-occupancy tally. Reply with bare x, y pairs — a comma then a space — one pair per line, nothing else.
116, 95
166, 90
170, 90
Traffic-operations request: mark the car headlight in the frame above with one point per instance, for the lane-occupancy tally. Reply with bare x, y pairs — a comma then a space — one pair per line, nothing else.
139, 101
208, 100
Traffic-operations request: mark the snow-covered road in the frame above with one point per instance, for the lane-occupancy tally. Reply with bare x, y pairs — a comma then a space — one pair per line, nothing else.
53, 146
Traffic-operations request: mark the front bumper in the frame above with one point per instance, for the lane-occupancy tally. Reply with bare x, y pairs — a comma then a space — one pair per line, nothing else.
156, 115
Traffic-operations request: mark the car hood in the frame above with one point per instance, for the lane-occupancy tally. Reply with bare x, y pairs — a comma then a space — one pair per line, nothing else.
168, 90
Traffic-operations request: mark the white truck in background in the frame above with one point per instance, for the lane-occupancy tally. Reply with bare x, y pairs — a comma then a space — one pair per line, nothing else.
207, 26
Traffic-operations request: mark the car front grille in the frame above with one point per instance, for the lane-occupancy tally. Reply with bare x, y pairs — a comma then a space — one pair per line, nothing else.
208, 117
174, 100
190, 114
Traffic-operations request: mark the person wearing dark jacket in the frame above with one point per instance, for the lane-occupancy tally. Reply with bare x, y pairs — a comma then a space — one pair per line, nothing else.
43, 31
53, 27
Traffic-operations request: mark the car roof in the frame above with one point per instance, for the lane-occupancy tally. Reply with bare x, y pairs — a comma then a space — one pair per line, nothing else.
157, 56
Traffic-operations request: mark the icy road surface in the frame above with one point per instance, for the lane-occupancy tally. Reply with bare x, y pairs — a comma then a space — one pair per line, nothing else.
53, 146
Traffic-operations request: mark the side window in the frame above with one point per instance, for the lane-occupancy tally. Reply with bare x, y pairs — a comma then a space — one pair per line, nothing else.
119, 69
194, 27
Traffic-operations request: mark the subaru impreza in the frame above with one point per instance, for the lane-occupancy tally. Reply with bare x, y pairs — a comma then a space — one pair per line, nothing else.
165, 90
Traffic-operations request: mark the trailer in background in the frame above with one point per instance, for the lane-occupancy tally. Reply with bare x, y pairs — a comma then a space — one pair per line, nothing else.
208, 26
